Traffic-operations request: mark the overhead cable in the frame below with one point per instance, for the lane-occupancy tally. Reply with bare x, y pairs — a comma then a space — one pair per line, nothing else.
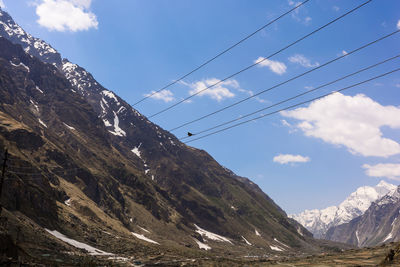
294, 97
221, 53
292, 106
259, 61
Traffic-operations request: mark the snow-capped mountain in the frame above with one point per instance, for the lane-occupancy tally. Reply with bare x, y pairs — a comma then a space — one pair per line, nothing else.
101, 167
319, 221
379, 224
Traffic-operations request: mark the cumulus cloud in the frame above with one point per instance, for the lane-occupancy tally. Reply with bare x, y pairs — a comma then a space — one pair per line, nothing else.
398, 24
2, 5
164, 95
275, 66
288, 158
351, 121
389, 170
303, 61
66, 15
218, 92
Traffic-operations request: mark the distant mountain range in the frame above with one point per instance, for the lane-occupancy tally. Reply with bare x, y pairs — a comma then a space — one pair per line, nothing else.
87, 171
380, 223
319, 221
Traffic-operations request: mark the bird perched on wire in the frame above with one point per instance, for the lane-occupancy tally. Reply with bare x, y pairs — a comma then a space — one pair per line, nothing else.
190, 134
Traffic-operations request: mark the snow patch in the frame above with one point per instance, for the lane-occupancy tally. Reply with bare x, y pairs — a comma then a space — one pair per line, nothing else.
147, 231
211, 236
117, 131
142, 237
21, 65
281, 243
389, 236
257, 233
202, 245
69, 127
42, 123
68, 202
77, 244
110, 95
136, 151
276, 248
37, 88
247, 242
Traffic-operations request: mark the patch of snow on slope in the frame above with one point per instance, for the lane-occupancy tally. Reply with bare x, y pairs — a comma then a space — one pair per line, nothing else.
257, 233
110, 95
211, 236
37, 88
202, 245
283, 244
136, 151
68, 202
389, 236
21, 65
69, 127
42, 123
247, 242
147, 231
117, 131
77, 244
142, 237
276, 248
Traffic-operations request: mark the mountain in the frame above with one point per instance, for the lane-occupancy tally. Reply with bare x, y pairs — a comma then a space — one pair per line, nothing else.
88, 174
379, 224
319, 221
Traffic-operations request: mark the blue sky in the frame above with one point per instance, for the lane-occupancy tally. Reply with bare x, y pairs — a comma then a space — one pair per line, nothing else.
326, 150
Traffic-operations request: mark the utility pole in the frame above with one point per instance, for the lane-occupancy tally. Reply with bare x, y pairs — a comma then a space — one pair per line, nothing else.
3, 174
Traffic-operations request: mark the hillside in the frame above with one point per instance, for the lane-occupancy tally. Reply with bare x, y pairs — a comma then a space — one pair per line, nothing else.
85, 166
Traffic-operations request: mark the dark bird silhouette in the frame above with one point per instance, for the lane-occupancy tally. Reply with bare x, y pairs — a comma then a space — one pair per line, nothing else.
190, 134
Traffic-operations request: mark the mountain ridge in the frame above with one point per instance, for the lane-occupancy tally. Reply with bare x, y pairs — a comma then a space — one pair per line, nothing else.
128, 173
379, 224
319, 221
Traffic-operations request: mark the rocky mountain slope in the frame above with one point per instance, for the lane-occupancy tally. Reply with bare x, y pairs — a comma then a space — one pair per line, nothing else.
379, 224
87, 172
319, 221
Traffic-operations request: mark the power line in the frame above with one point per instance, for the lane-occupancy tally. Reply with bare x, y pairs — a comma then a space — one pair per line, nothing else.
294, 97
285, 82
260, 61
292, 106
221, 53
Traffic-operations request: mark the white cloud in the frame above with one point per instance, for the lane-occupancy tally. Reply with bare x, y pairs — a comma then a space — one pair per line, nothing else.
164, 95
63, 15
2, 5
353, 122
398, 24
336, 8
218, 92
275, 66
389, 170
288, 158
285, 123
296, 15
303, 61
